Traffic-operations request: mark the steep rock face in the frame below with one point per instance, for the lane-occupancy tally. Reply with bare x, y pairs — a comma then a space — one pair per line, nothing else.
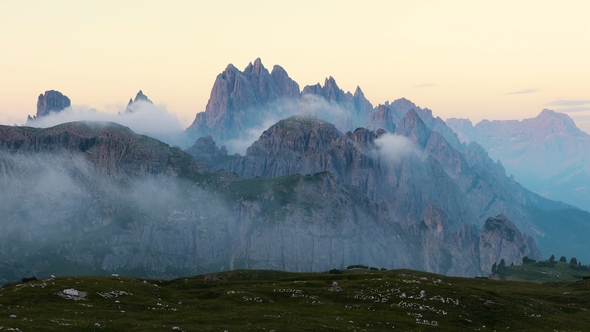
463, 128
308, 145
412, 126
206, 149
153, 222
354, 108
500, 239
164, 216
237, 99
109, 146
381, 118
138, 97
51, 101
548, 154
241, 102
465, 183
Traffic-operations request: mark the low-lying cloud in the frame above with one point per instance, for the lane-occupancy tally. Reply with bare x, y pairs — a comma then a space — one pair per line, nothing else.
145, 118
395, 147
272, 113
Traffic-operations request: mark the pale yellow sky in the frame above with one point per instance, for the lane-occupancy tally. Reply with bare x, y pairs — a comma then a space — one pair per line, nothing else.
458, 58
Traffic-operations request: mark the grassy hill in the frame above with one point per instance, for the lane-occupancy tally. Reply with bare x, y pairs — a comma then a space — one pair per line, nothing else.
250, 300
545, 272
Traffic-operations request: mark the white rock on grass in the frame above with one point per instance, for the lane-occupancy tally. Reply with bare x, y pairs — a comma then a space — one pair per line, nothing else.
71, 292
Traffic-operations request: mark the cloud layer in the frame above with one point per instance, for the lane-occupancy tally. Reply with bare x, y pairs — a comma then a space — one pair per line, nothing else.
523, 91
145, 118
395, 147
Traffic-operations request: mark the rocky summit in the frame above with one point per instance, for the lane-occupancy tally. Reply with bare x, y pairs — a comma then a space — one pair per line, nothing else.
139, 97
51, 101
238, 98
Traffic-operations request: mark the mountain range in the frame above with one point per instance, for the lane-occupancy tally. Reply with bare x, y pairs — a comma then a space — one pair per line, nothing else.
331, 181
547, 154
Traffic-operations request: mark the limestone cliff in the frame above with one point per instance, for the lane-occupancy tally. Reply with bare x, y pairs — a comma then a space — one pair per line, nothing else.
500, 239
50, 101
237, 99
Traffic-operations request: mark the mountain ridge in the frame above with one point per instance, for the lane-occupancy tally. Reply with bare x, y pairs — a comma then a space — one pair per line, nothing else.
547, 153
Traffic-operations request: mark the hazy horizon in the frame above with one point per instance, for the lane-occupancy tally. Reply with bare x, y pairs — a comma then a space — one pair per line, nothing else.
499, 60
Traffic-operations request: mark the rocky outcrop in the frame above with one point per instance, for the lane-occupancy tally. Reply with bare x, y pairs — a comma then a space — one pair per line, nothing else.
353, 109
238, 98
463, 128
547, 154
112, 148
465, 183
139, 97
433, 173
51, 101
381, 118
241, 101
206, 149
500, 239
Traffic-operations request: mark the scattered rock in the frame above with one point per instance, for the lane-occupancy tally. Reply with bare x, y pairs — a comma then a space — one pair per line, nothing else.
73, 294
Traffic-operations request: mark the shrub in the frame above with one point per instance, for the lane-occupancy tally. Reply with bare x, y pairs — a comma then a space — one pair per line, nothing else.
526, 260
29, 279
335, 271
350, 267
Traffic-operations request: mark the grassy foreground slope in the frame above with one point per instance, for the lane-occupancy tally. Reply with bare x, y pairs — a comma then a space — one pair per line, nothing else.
247, 300
545, 272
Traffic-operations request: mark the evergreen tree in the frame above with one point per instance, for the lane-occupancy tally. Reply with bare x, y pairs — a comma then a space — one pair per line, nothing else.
552, 259
526, 260
494, 268
574, 261
563, 259
502, 268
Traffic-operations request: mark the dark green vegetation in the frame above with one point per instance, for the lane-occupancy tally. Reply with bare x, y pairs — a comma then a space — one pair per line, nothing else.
546, 271
363, 300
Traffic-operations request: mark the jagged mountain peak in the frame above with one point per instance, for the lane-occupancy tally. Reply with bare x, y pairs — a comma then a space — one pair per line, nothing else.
330, 90
330, 83
403, 102
141, 97
358, 91
412, 126
256, 68
237, 100
51, 101
230, 68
